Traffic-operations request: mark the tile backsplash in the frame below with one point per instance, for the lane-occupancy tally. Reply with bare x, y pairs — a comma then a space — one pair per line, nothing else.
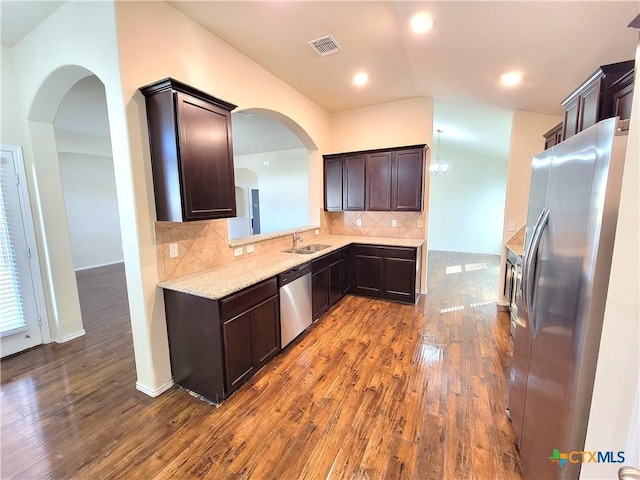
205, 244
201, 245
378, 224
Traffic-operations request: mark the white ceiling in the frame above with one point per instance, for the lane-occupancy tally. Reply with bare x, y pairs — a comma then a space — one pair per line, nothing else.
556, 45
18, 18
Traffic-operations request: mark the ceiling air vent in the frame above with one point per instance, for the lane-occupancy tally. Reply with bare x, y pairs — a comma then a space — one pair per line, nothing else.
326, 45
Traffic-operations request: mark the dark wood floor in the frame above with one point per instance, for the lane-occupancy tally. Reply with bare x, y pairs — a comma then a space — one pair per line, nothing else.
374, 390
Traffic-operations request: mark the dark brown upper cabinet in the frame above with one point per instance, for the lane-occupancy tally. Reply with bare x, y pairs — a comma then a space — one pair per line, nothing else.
191, 152
622, 94
344, 182
353, 182
378, 181
406, 180
333, 183
388, 179
599, 97
553, 136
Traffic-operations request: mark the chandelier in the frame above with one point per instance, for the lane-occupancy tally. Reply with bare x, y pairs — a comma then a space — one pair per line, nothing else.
438, 167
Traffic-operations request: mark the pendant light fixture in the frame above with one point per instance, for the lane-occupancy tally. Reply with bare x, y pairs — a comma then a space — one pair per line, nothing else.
437, 167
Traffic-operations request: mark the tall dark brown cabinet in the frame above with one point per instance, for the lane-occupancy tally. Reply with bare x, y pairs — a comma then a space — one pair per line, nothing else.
191, 152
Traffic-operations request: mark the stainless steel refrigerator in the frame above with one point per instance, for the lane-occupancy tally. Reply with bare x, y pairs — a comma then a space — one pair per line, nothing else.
571, 221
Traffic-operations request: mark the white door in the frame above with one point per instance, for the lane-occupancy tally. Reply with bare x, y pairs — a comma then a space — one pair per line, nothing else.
20, 321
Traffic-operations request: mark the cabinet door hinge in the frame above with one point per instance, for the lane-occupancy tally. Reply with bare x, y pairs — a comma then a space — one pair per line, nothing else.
29, 253
39, 321
17, 179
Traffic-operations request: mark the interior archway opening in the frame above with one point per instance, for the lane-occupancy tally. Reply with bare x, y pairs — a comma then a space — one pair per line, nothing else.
277, 152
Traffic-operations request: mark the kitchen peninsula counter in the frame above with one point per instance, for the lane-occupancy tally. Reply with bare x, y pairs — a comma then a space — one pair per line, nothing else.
218, 282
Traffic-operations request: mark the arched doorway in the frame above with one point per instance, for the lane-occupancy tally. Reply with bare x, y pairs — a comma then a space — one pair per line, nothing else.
56, 146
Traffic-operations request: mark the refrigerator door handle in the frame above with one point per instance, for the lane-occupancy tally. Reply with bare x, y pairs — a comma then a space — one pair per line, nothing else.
531, 260
525, 270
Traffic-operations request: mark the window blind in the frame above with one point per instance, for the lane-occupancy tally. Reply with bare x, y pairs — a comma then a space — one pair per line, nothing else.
12, 319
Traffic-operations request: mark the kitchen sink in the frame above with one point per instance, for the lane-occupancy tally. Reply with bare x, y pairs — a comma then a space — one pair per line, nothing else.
307, 249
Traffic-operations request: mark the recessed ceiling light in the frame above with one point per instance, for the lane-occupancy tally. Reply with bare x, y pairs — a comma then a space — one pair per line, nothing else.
421, 23
511, 79
360, 79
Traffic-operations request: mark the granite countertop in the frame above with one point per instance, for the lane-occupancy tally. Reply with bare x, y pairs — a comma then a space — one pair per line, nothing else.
218, 282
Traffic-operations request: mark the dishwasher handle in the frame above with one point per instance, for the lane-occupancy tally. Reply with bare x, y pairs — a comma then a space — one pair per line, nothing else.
293, 274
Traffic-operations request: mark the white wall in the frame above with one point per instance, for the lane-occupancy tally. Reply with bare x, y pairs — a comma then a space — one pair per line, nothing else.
613, 419
284, 196
78, 40
92, 209
526, 141
467, 204
12, 131
393, 124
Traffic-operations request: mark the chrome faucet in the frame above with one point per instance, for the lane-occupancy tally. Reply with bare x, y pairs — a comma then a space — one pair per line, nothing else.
296, 238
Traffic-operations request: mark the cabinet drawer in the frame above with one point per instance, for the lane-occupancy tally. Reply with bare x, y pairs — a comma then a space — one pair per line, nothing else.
325, 261
408, 253
248, 298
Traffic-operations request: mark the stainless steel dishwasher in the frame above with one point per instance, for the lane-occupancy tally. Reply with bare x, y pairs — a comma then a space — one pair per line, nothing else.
295, 302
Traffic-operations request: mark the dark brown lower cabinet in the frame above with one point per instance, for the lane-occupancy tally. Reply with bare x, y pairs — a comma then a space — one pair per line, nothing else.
250, 340
251, 331
195, 344
217, 345
320, 292
345, 264
266, 328
335, 282
386, 272
330, 280
399, 279
367, 273
238, 355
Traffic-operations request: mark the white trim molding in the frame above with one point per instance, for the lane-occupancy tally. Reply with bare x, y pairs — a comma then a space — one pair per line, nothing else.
115, 262
154, 392
68, 338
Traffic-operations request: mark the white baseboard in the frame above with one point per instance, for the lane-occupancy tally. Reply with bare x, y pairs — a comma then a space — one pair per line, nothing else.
99, 265
68, 338
154, 392
502, 303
